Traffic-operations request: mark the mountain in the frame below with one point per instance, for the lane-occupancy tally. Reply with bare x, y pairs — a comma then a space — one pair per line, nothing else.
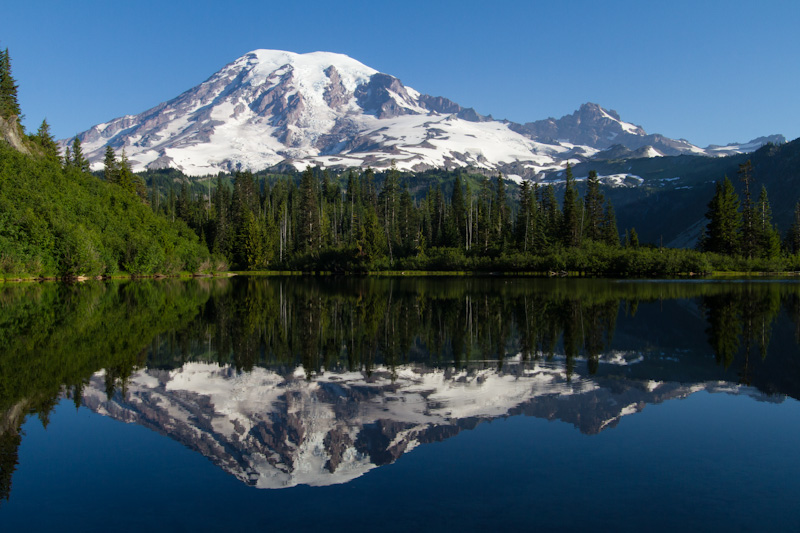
327, 109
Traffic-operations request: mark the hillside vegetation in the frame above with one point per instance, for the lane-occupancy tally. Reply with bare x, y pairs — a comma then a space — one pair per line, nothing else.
57, 222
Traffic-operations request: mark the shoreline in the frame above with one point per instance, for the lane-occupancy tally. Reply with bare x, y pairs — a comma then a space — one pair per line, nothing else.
717, 275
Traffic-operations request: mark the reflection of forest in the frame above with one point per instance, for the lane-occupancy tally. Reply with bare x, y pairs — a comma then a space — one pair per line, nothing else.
56, 336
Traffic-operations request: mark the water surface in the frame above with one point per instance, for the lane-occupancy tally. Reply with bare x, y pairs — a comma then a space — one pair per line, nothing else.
300, 403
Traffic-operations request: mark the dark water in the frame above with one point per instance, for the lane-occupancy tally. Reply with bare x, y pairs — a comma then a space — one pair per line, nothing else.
400, 404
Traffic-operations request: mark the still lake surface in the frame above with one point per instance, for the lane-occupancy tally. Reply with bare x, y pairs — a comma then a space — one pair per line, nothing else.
400, 404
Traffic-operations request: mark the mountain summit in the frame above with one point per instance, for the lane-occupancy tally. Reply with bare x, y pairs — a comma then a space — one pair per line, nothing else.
271, 106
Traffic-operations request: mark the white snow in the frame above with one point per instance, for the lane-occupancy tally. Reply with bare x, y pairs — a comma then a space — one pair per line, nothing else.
652, 152
216, 126
626, 126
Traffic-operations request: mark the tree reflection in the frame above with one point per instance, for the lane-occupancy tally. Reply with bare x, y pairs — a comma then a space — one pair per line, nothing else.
56, 336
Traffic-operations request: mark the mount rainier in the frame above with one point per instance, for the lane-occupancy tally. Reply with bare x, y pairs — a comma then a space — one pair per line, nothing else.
270, 107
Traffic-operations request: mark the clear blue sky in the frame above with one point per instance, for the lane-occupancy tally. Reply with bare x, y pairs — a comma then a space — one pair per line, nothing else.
710, 72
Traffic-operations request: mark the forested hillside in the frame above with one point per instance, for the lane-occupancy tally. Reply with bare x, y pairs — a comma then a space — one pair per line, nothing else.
671, 203
58, 220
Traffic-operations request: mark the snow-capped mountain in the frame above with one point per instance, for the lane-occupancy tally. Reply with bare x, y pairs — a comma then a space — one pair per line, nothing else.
271, 106
272, 430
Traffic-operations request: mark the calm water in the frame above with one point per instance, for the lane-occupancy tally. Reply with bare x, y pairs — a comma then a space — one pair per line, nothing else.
400, 404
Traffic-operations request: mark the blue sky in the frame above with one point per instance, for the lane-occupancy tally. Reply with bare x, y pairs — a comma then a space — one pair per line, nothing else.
710, 72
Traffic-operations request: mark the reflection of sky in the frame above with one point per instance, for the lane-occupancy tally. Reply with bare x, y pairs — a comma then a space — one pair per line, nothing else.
711, 461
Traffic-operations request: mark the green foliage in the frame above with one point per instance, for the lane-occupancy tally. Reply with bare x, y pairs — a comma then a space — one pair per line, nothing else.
571, 219
57, 222
9, 104
77, 160
45, 142
722, 232
792, 240
767, 241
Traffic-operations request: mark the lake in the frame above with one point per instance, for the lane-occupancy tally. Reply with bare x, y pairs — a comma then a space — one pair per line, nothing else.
400, 404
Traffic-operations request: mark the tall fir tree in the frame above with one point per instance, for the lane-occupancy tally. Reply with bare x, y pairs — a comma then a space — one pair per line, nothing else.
593, 208
45, 140
724, 221
110, 166
124, 175
610, 233
388, 207
767, 237
78, 160
522, 225
9, 103
792, 240
500, 213
551, 214
570, 221
308, 230
749, 230
458, 214
484, 218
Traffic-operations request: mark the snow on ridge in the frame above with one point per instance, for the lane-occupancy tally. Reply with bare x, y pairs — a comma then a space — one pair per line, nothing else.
652, 152
626, 126
273, 106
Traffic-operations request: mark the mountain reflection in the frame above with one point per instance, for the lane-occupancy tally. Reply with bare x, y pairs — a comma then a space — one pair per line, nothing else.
286, 381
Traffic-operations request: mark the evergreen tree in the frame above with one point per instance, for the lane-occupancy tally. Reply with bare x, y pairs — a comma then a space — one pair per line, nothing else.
45, 140
499, 213
749, 230
792, 241
722, 232
593, 208
78, 161
221, 240
110, 166
308, 230
551, 214
768, 240
458, 214
408, 223
528, 225
388, 207
522, 226
484, 219
9, 104
610, 233
570, 221
633, 238
125, 176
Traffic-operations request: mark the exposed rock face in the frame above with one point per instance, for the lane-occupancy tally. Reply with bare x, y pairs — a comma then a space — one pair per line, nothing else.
336, 93
11, 133
590, 125
385, 97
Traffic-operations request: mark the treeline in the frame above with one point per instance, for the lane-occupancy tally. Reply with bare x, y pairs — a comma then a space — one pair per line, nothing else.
348, 223
352, 222
745, 229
